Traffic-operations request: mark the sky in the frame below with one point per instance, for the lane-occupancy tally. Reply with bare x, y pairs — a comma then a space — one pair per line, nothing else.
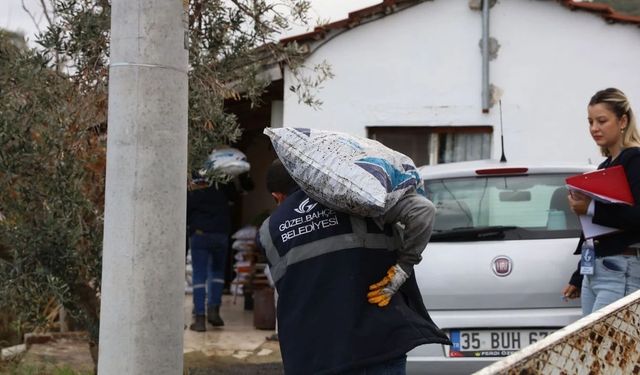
14, 17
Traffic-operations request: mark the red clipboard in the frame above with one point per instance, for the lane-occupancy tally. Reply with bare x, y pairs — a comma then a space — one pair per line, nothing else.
608, 185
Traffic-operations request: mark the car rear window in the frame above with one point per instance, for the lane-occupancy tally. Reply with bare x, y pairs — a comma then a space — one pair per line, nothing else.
530, 206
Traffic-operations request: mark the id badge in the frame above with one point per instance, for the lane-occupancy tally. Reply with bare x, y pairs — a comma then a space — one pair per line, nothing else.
587, 258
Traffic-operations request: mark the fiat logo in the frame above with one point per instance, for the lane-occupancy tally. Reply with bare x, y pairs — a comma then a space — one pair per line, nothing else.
501, 265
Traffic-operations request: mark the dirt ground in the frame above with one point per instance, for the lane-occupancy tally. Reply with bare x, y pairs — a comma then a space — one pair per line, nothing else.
265, 360
237, 348
245, 369
73, 353
61, 351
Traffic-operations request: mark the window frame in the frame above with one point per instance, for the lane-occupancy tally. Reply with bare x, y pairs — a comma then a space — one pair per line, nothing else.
432, 134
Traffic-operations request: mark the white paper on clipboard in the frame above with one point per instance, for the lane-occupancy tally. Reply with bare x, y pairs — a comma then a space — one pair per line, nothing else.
592, 230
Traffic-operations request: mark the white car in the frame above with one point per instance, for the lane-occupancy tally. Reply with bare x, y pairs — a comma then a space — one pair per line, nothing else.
501, 252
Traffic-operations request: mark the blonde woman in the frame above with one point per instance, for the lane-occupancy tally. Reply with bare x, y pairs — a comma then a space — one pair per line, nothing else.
616, 270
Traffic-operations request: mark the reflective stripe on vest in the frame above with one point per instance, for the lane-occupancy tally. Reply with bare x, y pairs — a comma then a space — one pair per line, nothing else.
358, 239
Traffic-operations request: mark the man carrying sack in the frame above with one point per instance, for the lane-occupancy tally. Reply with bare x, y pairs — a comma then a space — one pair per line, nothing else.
348, 300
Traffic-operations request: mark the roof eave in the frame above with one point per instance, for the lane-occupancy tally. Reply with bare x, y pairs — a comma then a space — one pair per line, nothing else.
604, 10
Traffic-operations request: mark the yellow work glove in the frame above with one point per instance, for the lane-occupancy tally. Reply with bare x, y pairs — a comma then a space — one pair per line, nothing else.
381, 292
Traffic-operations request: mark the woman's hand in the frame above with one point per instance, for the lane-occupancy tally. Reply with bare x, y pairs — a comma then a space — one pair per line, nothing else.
570, 292
578, 202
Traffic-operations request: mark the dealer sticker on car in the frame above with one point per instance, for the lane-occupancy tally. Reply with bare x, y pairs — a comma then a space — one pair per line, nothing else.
493, 343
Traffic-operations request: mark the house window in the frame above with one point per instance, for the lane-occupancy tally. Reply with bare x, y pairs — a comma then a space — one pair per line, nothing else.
436, 144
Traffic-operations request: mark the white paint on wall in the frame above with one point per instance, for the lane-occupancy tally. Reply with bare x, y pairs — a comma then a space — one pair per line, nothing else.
422, 67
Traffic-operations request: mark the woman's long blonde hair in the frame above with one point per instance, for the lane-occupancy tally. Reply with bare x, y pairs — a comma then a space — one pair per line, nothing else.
618, 103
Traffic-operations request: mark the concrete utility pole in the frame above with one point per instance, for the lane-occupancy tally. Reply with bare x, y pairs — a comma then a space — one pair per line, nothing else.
141, 320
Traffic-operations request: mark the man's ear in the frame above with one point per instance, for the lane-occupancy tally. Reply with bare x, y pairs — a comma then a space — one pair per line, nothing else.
279, 197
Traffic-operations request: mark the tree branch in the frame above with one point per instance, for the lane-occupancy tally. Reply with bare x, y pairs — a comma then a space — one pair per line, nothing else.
254, 16
33, 19
44, 10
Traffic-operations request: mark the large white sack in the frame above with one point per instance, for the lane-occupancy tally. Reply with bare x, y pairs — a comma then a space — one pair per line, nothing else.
227, 160
347, 173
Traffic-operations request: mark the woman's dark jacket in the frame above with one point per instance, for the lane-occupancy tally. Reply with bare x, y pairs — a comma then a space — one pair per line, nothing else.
617, 215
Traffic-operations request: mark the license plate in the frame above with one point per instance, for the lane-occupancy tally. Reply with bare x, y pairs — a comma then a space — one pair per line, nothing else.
493, 343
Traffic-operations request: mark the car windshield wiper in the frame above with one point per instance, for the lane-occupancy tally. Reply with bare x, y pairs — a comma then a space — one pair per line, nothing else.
496, 232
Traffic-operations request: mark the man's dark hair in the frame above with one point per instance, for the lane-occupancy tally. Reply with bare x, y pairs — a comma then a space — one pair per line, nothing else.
278, 179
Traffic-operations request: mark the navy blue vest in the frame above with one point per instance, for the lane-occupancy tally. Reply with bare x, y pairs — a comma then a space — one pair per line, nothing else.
323, 262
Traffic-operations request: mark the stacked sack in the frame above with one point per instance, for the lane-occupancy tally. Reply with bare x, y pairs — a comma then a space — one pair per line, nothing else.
351, 174
244, 245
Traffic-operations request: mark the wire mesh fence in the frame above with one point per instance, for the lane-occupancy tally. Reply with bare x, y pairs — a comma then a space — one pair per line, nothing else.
605, 342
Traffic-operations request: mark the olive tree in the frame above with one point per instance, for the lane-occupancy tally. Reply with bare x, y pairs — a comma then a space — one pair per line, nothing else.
53, 129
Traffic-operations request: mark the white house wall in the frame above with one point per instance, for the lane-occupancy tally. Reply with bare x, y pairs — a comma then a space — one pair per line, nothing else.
422, 67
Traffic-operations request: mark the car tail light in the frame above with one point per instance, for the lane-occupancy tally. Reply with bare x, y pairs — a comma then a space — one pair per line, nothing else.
494, 171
